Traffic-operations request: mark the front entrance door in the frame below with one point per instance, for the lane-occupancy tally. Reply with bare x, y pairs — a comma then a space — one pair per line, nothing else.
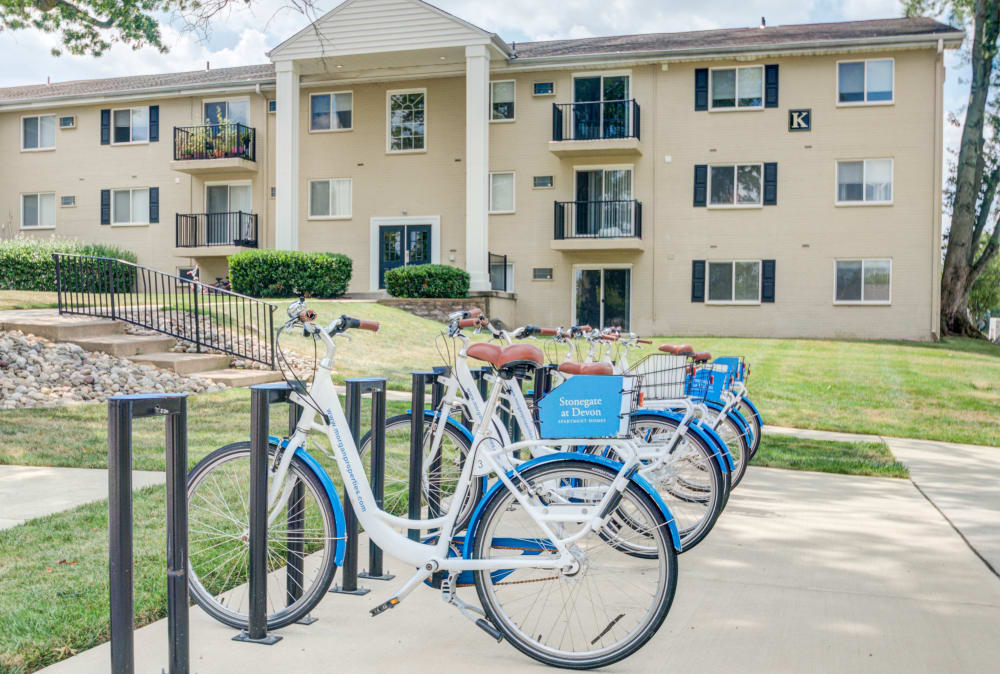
401, 245
603, 297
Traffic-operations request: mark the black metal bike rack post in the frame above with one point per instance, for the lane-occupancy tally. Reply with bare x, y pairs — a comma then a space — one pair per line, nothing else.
356, 388
121, 411
375, 569
261, 397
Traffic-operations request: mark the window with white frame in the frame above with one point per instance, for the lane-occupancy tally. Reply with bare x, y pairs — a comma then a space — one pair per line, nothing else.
502, 101
331, 111
330, 199
131, 125
863, 281
864, 181
130, 206
38, 132
737, 88
38, 210
227, 111
735, 185
869, 81
407, 119
502, 192
543, 89
734, 281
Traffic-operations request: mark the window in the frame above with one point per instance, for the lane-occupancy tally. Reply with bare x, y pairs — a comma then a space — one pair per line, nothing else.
407, 121
38, 210
330, 199
131, 125
541, 182
863, 281
541, 274
735, 185
67, 201
38, 133
734, 282
272, 106
331, 112
737, 88
501, 274
502, 192
502, 101
68, 122
866, 181
543, 89
130, 206
230, 111
860, 82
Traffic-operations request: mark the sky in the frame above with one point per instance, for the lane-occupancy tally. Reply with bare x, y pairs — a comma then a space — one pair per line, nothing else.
243, 34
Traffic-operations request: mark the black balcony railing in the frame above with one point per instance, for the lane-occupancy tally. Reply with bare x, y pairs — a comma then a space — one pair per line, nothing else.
206, 316
599, 120
217, 229
215, 141
598, 219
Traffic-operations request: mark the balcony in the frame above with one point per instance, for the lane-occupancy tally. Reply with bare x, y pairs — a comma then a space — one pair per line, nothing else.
598, 225
215, 148
221, 232
597, 128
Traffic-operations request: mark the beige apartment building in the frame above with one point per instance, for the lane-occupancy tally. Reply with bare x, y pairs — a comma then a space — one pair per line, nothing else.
771, 181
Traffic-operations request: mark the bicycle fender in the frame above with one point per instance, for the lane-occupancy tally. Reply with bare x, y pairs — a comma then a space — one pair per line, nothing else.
637, 479
331, 493
722, 455
735, 415
756, 412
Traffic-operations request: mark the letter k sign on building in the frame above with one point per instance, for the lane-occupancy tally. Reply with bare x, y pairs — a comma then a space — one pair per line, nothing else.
800, 120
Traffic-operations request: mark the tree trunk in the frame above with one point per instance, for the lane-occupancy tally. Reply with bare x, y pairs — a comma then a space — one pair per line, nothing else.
955, 278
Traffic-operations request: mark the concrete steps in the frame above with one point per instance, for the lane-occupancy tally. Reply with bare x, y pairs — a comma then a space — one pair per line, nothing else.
49, 324
125, 346
184, 363
237, 377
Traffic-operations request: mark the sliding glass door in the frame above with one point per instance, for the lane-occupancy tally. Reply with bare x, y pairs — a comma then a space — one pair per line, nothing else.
603, 297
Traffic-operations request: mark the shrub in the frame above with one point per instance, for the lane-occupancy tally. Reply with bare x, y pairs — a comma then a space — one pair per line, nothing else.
427, 280
280, 273
27, 264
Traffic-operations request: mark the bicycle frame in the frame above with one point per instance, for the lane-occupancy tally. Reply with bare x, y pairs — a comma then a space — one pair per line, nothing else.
432, 557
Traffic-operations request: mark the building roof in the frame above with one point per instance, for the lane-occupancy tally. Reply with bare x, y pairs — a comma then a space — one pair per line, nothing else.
690, 42
139, 83
738, 38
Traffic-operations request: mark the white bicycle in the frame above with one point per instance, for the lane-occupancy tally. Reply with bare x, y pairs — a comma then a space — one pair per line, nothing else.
548, 544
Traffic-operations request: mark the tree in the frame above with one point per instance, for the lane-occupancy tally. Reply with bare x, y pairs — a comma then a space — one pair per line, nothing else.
973, 238
984, 298
89, 27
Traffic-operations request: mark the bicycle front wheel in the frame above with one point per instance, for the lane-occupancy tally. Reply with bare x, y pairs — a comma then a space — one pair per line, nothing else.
754, 421
734, 435
301, 540
609, 604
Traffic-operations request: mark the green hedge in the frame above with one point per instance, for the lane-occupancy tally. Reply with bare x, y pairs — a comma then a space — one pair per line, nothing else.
427, 280
282, 273
27, 264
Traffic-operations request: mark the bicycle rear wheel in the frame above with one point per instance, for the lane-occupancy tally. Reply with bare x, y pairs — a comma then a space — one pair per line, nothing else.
734, 435
303, 532
754, 421
597, 613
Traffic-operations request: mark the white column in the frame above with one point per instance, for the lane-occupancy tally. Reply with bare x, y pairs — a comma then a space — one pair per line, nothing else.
477, 166
286, 147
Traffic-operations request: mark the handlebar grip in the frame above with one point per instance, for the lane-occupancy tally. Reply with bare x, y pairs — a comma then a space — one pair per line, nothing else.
644, 341
610, 337
548, 332
470, 322
368, 325
307, 315
474, 313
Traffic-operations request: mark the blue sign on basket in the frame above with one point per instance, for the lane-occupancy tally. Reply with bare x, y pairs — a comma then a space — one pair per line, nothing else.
587, 406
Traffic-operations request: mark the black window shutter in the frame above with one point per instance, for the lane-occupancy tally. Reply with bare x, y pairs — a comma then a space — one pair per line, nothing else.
697, 280
154, 123
105, 127
767, 281
105, 207
700, 184
154, 204
770, 183
701, 89
771, 86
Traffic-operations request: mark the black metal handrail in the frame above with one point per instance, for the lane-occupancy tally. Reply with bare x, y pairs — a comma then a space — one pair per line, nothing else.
233, 228
615, 219
596, 120
498, 272
203, 315
215, 141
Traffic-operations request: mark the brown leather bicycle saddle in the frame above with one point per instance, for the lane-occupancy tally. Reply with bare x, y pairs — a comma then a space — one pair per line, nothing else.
570, 367
677, 349
502, 356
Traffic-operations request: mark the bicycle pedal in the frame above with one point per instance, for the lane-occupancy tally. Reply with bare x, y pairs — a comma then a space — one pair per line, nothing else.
486, 626
384, 606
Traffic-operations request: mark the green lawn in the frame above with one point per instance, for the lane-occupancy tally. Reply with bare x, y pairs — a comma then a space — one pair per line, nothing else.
26, 299
850, 458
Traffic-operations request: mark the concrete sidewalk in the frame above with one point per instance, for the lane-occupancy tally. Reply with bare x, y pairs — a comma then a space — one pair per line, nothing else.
27, 492
804, 572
